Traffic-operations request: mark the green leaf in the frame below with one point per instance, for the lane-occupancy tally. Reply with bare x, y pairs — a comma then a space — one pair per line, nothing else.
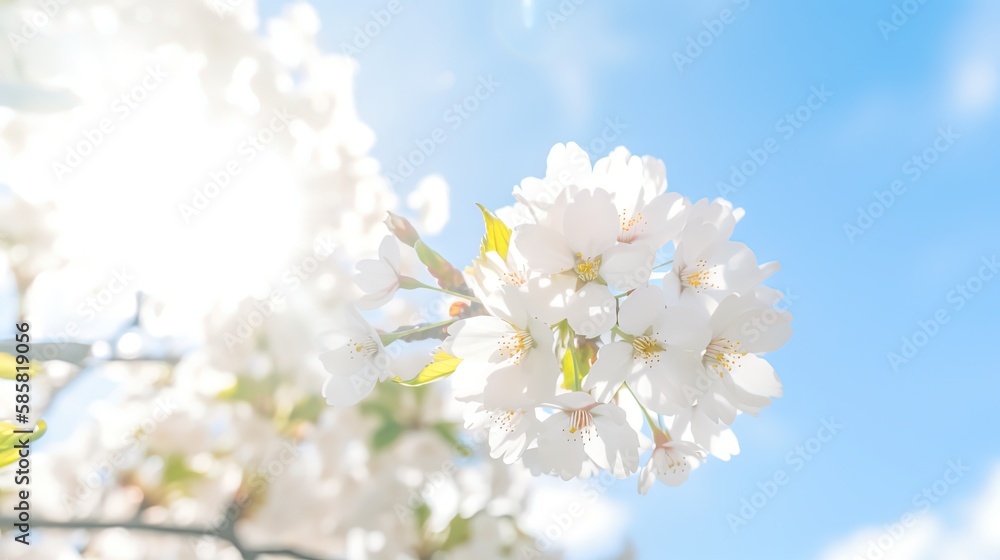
374, 408
579, 354
585, 355
449, 431
423, 512
448, 277
459, 531
387, 433
497, 236
176, 470
307, 409
251, 389
8, 439
569, 370
444, 364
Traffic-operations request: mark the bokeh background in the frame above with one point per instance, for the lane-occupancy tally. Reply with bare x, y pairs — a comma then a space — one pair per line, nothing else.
861, 139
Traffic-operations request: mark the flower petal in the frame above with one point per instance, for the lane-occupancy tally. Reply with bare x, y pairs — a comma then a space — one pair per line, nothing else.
478, 338
544, 249
591, 223
640, 310
684, 327
613, 366
627, 266
592, 310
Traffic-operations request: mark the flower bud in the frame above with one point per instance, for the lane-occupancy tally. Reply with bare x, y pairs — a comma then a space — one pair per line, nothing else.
402, 229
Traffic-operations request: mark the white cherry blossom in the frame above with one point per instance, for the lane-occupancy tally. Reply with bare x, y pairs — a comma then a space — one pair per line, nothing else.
380, 278
656, 350
510, 356
670, 463
355, 360
584, 244
706, 261
571, 356
583, 435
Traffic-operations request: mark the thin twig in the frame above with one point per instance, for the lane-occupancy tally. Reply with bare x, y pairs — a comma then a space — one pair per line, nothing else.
168, 529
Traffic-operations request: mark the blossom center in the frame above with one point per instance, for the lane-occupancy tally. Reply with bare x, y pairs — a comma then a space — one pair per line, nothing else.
587, 269
364, 348
699, 276
515, 278
506, 420
674, 462
723, 355
581, 422
630, 227
515, 346
646, 348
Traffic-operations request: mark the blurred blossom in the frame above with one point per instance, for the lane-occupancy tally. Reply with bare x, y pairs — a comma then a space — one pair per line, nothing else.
215, 163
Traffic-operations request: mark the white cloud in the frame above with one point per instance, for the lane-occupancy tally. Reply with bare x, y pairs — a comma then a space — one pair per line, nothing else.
975, 64
975, 535
430, 200
577, 517
975, 85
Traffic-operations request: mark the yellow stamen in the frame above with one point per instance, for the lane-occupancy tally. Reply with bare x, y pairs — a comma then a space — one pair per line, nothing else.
587, 269
647, 349
515, 346
365, 347
630, 228
700, 276
723, 355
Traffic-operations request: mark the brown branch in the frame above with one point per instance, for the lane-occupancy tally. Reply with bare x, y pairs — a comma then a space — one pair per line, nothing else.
92, 525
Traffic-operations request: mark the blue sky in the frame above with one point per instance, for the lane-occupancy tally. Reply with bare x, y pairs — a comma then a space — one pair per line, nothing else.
926, 89
893, 93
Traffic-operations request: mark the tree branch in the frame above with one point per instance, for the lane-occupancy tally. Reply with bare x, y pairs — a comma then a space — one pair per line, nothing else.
91, 525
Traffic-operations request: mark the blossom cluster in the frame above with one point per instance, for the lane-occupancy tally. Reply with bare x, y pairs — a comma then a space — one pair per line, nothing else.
600, 302
208, 440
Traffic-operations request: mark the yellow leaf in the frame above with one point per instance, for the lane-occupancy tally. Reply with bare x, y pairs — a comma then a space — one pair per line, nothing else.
8, 367
497, 235
8, 439
569, 370
444, 364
